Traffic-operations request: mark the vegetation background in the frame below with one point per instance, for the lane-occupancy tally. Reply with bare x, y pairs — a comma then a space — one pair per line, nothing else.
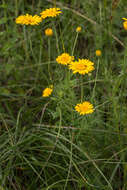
44, 143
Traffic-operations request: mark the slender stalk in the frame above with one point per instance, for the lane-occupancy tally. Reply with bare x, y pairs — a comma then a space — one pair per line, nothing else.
5, 16
72, 136
25, 42
31, 47
16, 8
93, 95
82, 89
57, 41
61, 37
40, 55
68, 71
70, 164
74, 44
49, 57
54, 1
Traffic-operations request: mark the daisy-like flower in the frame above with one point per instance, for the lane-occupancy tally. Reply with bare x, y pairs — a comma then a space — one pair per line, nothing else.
78, 29
47, 91
125, 23
64, 59
48, 32
28, 19
82, 66
51, 12
84, 108
98, 52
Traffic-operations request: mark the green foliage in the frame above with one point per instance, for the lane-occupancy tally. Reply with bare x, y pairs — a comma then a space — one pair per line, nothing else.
44, 143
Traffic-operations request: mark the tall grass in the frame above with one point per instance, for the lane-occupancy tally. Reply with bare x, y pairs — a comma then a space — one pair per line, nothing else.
44, 143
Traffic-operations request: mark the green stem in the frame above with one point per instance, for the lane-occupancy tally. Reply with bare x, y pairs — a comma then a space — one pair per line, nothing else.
75, 41
25, 42
74, 44
6, 16
70, 164
40, 55
82, 89
31, 47
57, 41
93, 95
54, 3
49, 55
16, 8
61, 37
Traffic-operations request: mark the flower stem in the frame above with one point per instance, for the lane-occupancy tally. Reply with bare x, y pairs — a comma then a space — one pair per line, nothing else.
25, 42
74, 44
82, 93
57, 40
54, 3
49, 55
93, 95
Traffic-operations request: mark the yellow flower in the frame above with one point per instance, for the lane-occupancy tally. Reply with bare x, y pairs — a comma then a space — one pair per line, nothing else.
83, 66
64, 59
48, 32
98, 52
47, 91
84, 108
28, 19
124, 19
125, 23
51, 12
78, 29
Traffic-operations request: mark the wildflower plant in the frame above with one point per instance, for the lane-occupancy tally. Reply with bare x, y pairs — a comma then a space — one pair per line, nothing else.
82, 66
60, 100
72, 134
